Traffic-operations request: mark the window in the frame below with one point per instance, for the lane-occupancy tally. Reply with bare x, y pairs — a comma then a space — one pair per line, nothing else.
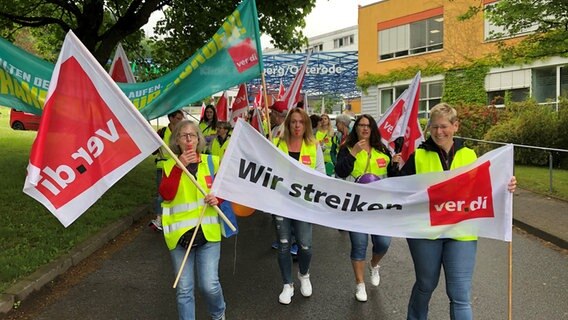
497, 98
414, 38
549, 83
388, 95
544, 84
430, 95
316, 48
343, 41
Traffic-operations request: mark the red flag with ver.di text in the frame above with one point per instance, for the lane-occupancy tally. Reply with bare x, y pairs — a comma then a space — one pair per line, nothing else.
240, 104
399, 126
90, 136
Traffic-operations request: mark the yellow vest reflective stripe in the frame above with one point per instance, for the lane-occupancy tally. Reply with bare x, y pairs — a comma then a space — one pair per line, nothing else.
185, 224
175, 220
429, 161
306, 151
327, 142
183, 207
163, 153
377, 158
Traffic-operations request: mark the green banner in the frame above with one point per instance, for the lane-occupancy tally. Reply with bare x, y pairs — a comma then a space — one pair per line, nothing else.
232, 56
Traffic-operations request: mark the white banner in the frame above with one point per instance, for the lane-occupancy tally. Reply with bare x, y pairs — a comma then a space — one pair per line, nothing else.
471, 200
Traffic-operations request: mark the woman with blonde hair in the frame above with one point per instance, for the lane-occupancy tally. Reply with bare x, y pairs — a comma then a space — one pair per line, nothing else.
442, 152
299, 143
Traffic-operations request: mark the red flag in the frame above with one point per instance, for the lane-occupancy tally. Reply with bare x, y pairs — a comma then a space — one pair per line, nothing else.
400, 121
90, 136
256, 121
120, 70
240, 104
222, 108
202, 113
292, 95
281, 91
258, 101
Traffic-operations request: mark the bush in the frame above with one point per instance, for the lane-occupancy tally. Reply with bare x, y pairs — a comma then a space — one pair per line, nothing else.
530, 124
475, 121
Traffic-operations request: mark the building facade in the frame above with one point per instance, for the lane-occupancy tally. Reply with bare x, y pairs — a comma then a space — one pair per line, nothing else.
340, 40
397, 35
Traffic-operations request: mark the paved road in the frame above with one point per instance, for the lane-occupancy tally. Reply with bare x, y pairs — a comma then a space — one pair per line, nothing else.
134, 282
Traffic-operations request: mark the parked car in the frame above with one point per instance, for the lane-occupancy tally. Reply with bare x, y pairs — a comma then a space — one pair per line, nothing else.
20, 120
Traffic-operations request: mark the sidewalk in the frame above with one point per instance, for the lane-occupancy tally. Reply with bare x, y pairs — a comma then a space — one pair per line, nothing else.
542, 216
545, 217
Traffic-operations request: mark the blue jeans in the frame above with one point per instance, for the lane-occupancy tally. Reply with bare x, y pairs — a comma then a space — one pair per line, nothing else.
159, 199
458, 260
303, 234
204, 259
359, 245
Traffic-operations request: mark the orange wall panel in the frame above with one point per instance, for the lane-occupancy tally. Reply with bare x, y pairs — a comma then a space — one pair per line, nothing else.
463, 40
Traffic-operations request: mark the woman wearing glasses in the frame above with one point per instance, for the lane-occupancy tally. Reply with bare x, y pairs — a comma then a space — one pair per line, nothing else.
441, 152
182, 206
363, 153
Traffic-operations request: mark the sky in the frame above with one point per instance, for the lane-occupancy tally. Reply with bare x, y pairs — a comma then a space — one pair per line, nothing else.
327, 16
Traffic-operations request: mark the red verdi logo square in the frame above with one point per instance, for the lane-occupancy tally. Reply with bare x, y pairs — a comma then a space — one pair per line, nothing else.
466, 196
244, 55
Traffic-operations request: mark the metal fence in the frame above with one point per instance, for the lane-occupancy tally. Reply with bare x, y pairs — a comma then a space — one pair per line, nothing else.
549, 150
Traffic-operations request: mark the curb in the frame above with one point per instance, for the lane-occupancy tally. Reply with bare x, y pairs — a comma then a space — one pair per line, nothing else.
47, 273
561, 243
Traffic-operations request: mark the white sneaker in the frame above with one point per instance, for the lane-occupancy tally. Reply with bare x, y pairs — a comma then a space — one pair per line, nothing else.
285, 296
305, 284
375, 276
360, 292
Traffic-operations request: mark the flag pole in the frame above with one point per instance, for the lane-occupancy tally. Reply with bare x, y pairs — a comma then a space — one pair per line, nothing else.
266, 107
184, 169
510, 295
180, 271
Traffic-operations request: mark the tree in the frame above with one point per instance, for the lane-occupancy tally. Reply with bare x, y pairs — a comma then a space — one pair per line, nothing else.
282, 20
547, 21
102, 24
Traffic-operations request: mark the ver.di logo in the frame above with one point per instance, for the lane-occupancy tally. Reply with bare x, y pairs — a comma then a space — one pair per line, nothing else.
464, 197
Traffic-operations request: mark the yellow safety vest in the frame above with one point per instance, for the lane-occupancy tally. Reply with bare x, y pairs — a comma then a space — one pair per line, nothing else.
219, 150
378, 163
206, 129
182, 213
163, 154
324, 137
429, 161
307, 152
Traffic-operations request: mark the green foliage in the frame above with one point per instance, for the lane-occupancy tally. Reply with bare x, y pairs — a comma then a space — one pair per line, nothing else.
466, 86
529, 124
547, 20
184, 28
475, 121
372, 79
101, 25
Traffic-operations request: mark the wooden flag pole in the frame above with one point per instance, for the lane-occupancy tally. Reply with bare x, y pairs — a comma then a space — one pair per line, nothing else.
510, 309
184, 169
266, 107
180, 271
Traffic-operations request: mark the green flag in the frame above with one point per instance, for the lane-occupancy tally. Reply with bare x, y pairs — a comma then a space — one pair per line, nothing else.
232, 56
